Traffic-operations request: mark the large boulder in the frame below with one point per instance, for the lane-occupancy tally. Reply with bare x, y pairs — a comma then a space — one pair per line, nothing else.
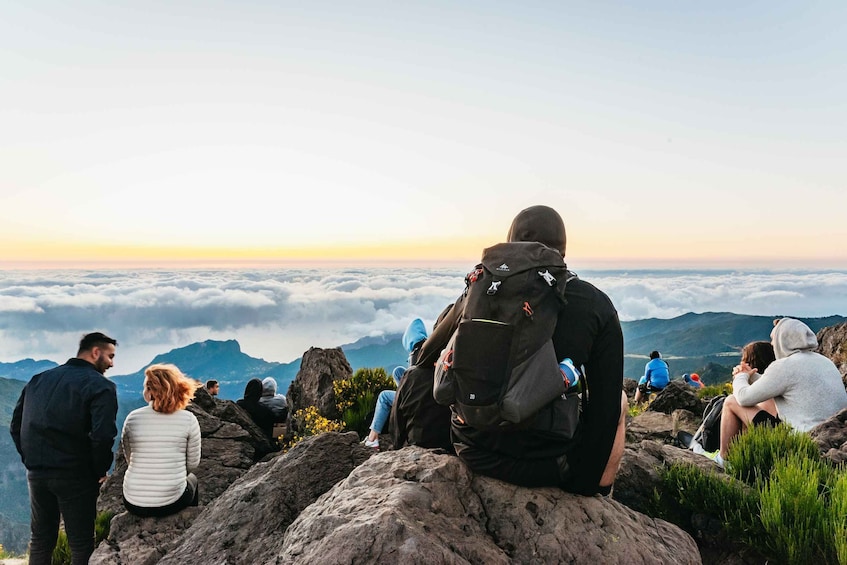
831, 437
677, 395
418, 506
832, 343
245, 525
313, 384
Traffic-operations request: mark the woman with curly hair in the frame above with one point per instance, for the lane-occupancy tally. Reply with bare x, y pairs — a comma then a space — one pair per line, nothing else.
161, 444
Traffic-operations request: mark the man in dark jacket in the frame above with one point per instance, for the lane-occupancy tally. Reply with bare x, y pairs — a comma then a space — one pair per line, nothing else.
63, 426
545, 453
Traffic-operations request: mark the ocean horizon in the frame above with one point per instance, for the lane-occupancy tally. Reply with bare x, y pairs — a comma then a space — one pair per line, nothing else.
277, 313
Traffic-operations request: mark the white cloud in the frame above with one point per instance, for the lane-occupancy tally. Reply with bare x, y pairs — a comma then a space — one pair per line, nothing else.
279, 314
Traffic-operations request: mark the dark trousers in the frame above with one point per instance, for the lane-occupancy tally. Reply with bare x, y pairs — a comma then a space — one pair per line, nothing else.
190, 497
76, 501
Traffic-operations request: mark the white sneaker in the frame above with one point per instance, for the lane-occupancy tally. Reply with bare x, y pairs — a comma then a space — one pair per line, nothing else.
369, 443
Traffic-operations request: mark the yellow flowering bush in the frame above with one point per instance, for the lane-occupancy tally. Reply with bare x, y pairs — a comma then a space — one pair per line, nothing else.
313, 424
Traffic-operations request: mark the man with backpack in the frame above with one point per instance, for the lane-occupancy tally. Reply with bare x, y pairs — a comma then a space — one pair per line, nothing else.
575, 440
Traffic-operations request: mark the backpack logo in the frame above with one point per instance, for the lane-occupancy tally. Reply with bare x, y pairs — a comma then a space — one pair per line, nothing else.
504, 267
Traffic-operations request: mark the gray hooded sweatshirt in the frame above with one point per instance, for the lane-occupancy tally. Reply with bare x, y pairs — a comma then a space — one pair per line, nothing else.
805, 385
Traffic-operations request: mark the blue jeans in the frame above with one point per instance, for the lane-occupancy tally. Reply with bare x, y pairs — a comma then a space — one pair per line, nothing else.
383, 409
76, 501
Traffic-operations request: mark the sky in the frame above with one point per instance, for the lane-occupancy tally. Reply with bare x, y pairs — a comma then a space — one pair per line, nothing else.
673, 134
278, 314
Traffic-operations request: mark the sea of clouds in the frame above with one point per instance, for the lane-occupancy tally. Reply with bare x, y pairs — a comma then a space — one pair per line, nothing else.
277, 314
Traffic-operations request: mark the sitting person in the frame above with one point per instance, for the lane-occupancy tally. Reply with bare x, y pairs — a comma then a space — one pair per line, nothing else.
548, 452
384, 402
417, 418
276, 402
261, 415
656, 377
161, 443
693, 379
800, 387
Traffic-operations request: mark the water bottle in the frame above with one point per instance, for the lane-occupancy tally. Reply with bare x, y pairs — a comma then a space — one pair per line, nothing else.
570, 374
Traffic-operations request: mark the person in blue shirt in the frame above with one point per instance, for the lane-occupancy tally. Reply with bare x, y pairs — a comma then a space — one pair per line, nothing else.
656, 377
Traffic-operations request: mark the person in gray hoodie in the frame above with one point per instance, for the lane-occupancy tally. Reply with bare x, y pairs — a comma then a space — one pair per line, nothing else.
805, 386
276, 402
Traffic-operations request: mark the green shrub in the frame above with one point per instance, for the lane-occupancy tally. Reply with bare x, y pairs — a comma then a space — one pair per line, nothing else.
62, 551
355, 397
753, 454
794, 513
710, 391
781, 498
838, 515
731, 501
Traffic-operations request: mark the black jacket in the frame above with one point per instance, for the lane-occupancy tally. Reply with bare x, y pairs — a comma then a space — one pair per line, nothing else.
63, 424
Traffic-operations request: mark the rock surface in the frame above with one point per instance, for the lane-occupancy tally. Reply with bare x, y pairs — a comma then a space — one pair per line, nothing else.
832, 343
313, 384
418, 506
831, 437
677, 395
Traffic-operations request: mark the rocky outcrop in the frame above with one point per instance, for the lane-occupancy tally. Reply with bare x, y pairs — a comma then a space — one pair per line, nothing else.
313, 384
418, 506
245, 525
831, 437
677, 395
832, 343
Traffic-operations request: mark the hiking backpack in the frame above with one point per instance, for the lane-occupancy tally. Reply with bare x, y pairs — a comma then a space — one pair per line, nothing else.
499, 367
709, 433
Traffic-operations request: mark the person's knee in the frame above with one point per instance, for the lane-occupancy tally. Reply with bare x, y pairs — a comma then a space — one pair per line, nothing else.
730, 405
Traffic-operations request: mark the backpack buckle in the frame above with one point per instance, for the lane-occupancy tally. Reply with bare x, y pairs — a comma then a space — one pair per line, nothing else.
548, 278
493, 288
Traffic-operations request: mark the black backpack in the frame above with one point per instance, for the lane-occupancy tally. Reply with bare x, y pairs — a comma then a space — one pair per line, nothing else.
499, 367
709, 433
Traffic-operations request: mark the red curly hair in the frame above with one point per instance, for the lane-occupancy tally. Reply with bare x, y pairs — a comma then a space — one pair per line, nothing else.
167, 389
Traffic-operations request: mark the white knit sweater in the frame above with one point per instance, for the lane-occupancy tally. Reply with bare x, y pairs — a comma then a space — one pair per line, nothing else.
161, 449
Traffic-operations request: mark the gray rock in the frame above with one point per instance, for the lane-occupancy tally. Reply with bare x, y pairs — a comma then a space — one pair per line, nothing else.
650, 425
831, 437
832, 343
674, 396
417, 506
313, 384
245, 524
141, 541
